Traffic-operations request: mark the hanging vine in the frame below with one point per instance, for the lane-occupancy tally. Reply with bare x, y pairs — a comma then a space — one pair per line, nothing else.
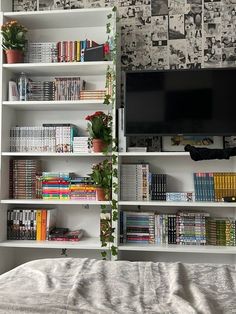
107, 236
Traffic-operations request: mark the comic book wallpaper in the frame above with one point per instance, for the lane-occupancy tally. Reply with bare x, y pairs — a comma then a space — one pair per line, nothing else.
165, 34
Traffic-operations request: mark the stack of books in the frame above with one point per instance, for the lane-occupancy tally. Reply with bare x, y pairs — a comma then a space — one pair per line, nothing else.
73, 51
165, 229
22, 178
49, 185
56, 185
41, 52
191, 228
213, 186
41, 90
157, 186
92, 94
138, 227
30, 224
134, 182
65, 133
32, 139
138, 183
82, 188
68, 88
47, 138
179, 196
64, 234
181, 228
221, 231
81, 145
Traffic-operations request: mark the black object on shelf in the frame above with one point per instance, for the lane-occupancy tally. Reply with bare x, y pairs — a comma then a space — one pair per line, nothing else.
94, 53
230, 199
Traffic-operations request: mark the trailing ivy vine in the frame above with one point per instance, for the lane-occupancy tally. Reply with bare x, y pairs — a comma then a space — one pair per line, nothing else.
107, 235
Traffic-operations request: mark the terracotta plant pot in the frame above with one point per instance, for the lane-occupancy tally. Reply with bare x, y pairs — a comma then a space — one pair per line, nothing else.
14, 56
98, 145
101, 194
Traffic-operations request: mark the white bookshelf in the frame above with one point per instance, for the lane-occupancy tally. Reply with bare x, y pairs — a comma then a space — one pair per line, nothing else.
56, 105
83, 244
173, 248
180, 168
83, 18
55, 26
49, 69
52, 202
44, 154
178, 204
157, 154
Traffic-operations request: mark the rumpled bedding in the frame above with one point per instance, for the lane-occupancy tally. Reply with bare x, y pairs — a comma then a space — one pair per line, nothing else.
86, 286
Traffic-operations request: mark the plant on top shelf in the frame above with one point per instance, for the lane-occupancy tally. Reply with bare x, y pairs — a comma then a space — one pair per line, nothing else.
99, 128
102, 177
13, 41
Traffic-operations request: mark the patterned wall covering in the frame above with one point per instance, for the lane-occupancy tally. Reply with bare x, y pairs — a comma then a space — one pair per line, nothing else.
163, 34
177, 34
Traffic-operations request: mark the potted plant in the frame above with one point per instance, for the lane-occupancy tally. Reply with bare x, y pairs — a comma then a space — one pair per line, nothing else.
102, 177
99, 128
13, 41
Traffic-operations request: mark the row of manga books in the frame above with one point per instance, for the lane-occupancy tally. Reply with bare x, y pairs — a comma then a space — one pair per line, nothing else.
182, 228
47, 138
62, 51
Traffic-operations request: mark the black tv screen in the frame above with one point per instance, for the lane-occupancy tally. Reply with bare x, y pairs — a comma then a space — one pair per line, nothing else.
192, 102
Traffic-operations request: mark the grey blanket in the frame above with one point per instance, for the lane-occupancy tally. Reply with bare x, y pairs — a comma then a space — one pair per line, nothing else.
70, 285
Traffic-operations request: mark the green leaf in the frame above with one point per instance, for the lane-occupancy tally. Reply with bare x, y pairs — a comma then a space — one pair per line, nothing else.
111, 238
114, 159
113, 250
104, 254
115, 215
115, 173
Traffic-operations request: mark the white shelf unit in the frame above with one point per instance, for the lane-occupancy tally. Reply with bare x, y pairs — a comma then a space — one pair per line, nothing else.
86, 244
56, 105
148, 154
44, 154
85, 18
54, 26
179, 248
53, 202
74, 68
180, 168
178, 204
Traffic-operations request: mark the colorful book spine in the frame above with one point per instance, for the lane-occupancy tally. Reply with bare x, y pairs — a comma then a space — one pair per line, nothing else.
39, 225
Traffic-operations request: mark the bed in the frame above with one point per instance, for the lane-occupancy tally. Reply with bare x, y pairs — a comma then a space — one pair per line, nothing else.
71, 285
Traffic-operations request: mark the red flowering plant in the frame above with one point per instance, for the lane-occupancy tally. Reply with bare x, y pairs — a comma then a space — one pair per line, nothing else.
99, 126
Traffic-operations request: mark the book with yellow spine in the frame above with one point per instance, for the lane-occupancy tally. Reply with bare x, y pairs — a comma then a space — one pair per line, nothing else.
38, 224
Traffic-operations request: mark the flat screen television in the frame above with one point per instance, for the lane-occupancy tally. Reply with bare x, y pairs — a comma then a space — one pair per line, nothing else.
191, 102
